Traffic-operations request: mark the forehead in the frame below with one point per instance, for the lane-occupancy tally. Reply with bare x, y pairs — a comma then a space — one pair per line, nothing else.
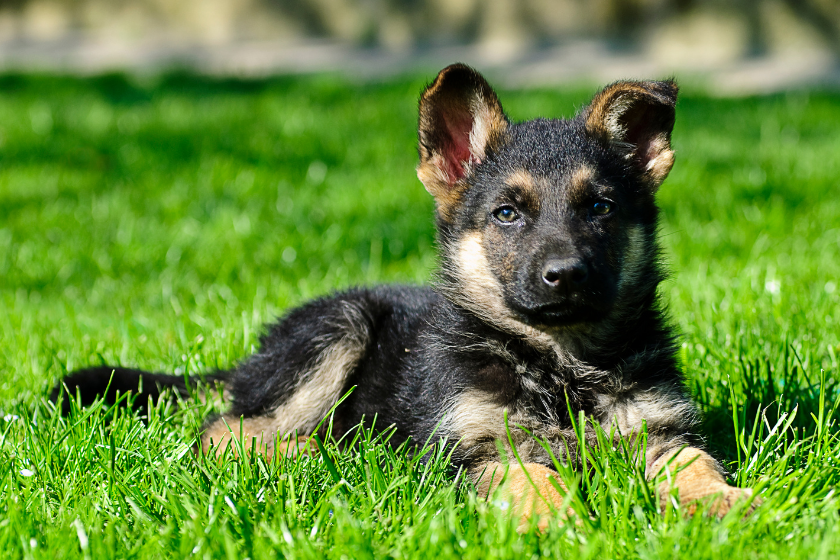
549, 164
546, 162
551, 147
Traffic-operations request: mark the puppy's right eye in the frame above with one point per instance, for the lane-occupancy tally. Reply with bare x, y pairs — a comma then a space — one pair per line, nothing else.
506, 214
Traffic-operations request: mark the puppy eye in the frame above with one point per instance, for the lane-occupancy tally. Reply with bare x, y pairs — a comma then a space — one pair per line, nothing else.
602, 208
506, 214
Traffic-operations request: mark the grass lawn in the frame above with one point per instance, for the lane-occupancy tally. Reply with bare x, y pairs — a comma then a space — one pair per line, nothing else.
160, 222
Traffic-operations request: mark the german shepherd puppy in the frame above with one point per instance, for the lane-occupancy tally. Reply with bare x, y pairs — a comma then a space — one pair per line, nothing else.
546, 302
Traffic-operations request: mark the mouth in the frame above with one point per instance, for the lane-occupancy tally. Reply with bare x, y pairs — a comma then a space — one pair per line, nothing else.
558, 314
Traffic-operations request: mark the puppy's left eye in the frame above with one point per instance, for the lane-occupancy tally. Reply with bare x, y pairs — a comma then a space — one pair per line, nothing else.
602, 208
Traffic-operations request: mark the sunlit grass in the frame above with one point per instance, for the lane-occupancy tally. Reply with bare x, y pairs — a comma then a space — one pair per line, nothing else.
159, 223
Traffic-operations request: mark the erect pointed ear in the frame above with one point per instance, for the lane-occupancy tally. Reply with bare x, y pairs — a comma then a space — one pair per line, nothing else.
637, 119
460, 120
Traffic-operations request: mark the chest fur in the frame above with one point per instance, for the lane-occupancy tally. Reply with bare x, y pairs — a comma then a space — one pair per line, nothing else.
539, 395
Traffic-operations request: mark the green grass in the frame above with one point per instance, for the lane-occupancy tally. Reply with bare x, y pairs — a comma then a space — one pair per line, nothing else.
159, 223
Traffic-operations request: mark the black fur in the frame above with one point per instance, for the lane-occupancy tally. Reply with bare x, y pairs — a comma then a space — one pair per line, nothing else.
110, 382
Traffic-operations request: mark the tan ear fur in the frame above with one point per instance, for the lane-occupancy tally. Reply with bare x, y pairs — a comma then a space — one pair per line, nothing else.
637, 118
460, 120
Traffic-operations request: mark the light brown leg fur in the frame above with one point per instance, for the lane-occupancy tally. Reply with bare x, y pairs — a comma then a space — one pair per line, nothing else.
538, 499
252, 431
699, 480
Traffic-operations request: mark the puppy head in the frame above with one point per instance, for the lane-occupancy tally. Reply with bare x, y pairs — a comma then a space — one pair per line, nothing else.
545, 224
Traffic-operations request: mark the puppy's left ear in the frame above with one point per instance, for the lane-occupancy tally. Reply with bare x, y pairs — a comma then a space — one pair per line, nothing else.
637, 118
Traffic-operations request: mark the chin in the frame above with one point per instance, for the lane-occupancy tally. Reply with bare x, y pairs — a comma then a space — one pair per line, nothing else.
556, 316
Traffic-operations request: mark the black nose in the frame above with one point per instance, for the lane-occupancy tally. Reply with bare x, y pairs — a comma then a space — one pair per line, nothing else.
570, 272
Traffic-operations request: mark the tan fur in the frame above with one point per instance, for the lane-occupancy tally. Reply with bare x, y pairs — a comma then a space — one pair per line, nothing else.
481, 291
658, 406
662, 161
255, 436
529, 189
488, 123
479, 421
522, 179
528, 488
255, 431
433, 176
698, 481
306, 407
578, 189
312, 400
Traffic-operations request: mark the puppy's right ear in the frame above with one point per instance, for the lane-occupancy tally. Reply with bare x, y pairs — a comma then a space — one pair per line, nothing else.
460, 120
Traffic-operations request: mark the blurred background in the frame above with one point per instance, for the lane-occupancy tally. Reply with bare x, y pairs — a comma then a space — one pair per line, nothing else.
734, 46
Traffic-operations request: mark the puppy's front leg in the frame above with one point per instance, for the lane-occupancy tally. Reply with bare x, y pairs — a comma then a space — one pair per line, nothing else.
698, 479
536, 497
